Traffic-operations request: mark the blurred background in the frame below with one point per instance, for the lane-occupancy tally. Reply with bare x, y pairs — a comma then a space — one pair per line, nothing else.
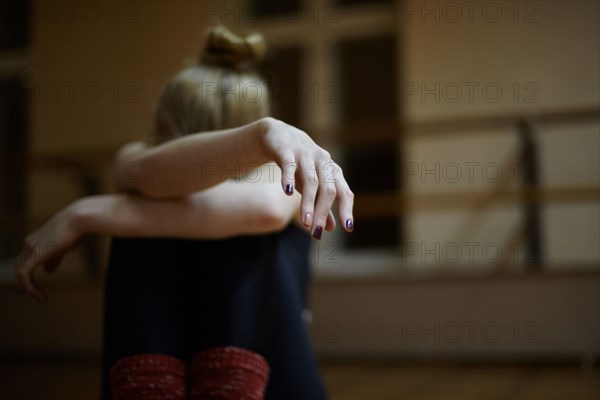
469, 132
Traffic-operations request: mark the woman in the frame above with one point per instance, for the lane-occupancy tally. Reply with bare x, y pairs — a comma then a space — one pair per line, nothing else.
227, 267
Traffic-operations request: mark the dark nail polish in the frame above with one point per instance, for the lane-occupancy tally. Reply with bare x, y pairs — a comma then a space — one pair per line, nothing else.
289, 189
349, 224
318, 232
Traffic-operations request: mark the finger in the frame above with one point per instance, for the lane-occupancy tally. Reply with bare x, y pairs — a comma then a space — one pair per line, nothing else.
345, 199
309, 192
325, 198
25, 278
330, 224
40, 294
327, 194
25, 283
288, 172
323, 205
21, 270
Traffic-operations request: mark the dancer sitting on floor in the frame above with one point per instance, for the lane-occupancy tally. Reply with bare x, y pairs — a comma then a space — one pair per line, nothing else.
207, 266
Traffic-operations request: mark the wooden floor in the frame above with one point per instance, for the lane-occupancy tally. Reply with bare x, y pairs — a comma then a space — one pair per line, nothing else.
389, 382
347, 381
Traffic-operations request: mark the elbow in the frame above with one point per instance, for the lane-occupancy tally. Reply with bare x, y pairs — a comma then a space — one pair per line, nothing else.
136, 171
134, 176
273, 216
276, 221
130, 164
147, 177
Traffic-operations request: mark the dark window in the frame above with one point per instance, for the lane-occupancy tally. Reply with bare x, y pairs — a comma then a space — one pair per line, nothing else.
345, 3
270, 8
368, 74
14, 35
281, 71
13, 139
371, 168
14, 24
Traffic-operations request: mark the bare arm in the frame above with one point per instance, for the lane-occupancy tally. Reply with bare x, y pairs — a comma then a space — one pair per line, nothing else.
196, 162
190, 163
255, 205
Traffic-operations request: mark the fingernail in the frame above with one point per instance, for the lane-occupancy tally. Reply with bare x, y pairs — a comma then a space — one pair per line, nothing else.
349, 224
289, 189
318, 232
307, 219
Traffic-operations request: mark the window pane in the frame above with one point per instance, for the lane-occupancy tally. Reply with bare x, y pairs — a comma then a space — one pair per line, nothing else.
368, 76
345, 3
281, 71
14, 24
374, 233
13, 134
371, 168
269, 8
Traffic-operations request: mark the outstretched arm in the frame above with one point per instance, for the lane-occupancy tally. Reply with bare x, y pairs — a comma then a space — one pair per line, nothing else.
195, 162
255, 205
250, 206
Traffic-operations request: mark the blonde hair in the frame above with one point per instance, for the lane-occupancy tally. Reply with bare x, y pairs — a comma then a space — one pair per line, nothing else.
220, 92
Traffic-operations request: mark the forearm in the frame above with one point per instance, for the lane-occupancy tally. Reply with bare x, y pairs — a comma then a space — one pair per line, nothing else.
216, 213
123, 215
194, 162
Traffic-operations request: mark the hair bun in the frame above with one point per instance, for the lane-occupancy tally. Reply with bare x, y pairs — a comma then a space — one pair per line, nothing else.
226, 48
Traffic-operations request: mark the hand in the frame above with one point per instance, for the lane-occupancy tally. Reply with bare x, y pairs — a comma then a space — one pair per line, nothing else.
310, 169
46, 247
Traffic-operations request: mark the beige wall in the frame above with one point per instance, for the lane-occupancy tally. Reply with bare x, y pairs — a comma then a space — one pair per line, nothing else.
418, 316
535, 317
552, 44
118, 64
546, 54
99, 68
134, 54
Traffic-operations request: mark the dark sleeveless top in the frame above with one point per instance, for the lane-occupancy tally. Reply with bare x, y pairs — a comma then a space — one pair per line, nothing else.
179, 297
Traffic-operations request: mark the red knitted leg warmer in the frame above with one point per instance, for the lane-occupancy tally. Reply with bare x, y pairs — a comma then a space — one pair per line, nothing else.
148, 377
228, 373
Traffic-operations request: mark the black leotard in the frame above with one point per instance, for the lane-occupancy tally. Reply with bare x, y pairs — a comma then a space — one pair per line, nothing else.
179, 297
